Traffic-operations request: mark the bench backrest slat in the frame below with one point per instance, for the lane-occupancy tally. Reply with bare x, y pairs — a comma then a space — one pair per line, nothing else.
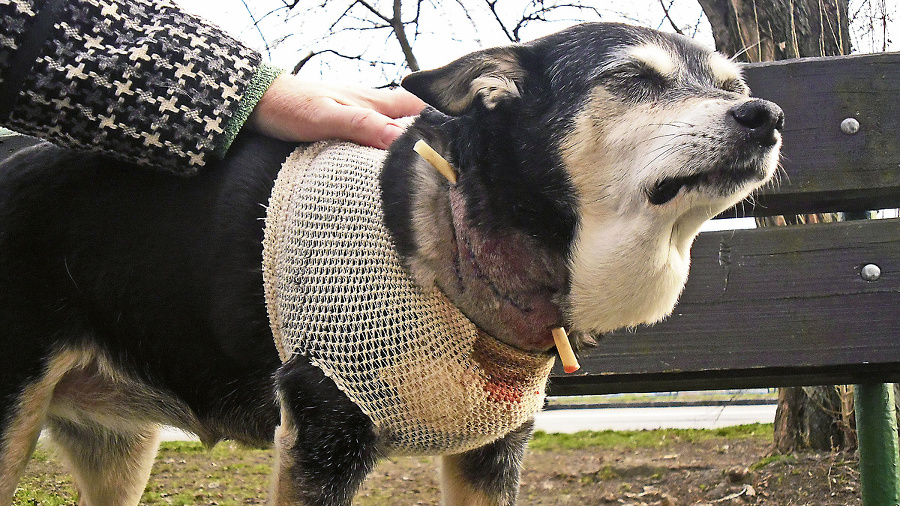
826, 169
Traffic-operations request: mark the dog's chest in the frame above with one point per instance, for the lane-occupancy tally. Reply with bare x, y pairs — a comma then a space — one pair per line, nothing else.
337, 293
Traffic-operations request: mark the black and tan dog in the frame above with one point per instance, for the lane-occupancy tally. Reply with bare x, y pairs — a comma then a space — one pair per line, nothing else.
587, 162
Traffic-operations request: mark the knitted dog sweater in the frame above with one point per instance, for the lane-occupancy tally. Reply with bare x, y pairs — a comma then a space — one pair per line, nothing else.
337, 293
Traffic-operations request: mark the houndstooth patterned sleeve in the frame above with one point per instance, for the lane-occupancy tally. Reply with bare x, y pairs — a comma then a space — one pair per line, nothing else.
140, 79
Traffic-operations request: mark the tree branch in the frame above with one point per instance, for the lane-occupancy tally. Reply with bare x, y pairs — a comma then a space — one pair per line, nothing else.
371, 9
540, 14
492, 5
258, 30
360, 58
665, 9
400, 32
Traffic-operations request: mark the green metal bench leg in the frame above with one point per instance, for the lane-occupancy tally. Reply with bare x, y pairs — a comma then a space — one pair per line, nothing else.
879, 453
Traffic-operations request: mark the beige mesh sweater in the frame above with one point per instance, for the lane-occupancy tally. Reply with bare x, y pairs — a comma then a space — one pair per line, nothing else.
336, 292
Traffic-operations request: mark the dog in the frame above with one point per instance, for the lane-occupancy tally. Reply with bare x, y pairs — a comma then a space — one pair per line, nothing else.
587, 162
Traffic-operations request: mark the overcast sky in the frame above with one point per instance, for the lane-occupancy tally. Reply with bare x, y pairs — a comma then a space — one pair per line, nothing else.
449, 37
444, 36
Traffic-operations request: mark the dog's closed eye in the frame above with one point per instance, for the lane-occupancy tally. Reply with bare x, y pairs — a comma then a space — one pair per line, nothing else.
635, 81
736, 86
642, 73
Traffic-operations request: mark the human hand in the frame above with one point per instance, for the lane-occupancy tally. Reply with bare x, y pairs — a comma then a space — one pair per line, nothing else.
292, 109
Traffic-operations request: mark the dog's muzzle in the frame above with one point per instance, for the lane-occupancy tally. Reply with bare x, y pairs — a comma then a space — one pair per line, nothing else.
757, 124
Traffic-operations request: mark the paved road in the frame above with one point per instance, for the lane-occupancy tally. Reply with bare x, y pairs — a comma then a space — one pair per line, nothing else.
693, 417
574, 420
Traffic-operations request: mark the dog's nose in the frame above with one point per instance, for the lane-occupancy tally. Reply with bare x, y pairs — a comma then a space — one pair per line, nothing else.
762, 118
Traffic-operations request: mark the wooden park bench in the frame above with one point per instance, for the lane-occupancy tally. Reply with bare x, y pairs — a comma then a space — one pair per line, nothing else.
797, 305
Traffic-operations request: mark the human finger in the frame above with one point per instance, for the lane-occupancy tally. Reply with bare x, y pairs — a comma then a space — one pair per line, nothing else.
358, 124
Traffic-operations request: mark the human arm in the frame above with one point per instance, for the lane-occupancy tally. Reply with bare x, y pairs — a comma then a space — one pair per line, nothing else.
297, 110
143, 81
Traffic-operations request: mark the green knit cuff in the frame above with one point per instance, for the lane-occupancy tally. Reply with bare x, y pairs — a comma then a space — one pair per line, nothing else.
265, 74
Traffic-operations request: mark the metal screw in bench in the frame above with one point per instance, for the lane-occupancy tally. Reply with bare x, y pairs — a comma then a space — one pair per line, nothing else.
870, 272
850, 126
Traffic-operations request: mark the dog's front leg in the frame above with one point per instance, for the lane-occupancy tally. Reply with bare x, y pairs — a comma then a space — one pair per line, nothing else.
486, 476
325, 444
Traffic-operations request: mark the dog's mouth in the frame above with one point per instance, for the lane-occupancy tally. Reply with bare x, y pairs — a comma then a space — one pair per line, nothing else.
667, 189
725, 181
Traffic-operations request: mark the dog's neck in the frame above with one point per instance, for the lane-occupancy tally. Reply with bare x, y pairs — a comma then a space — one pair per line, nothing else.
508, 281
644, 261
505, 281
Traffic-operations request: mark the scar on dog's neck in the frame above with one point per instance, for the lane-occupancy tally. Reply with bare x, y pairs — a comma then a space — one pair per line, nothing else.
508, 284
507, 279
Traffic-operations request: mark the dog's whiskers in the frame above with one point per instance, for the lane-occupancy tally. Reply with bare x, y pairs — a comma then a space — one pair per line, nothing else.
780, 171
674, 124
673, 149
671, 136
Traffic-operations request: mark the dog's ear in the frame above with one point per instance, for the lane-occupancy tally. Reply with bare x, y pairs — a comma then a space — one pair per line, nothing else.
493, 76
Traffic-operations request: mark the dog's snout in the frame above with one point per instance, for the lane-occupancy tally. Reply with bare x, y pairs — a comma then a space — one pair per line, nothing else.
762, 118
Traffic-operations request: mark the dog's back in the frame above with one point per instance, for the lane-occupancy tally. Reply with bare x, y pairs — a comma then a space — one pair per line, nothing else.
93, 345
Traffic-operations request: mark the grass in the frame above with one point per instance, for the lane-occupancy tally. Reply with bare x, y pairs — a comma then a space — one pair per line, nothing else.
772, 459
184, 473
643, 438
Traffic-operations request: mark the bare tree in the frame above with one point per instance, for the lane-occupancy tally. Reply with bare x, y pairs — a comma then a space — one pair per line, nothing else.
396, 21
385, 39
870, 22
385, 34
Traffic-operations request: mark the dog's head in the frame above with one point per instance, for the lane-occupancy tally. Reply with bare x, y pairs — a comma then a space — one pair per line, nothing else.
588, 161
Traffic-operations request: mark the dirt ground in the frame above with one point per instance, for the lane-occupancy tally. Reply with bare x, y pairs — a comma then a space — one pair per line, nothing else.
698, 473
709, 472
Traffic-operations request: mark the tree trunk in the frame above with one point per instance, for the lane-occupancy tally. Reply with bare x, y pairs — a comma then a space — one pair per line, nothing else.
819, 418
768, 30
